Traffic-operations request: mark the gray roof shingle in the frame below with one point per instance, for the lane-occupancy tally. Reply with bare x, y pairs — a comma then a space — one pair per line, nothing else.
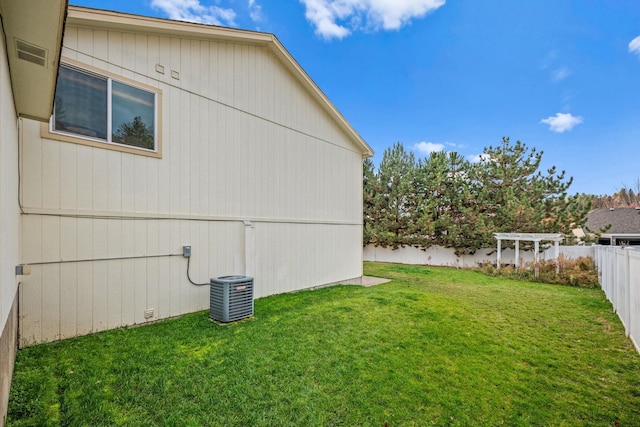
622, 220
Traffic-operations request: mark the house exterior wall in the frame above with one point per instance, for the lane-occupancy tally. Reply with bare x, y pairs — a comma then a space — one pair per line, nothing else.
242, 140
9, 235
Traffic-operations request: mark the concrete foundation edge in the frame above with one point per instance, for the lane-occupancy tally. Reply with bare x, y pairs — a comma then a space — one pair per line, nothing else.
8, 347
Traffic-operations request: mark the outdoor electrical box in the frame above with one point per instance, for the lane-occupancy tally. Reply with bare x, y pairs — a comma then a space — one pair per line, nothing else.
231, 298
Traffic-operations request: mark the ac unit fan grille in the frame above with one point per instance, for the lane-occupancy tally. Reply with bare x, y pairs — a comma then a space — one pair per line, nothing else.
231, 298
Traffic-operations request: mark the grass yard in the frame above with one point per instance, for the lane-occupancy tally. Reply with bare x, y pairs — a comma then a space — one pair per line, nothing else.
435, 346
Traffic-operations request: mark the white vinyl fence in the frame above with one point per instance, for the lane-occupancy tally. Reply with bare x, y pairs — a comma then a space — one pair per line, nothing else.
436, 255
619, 274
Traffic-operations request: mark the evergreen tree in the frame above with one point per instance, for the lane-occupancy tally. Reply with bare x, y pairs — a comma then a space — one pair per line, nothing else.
445, 200
393, 203
371, 188
447, 213
515, 197
136, 133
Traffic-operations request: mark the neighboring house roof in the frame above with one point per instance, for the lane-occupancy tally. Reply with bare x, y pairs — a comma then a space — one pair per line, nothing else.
622, 220
97, 18
33, 36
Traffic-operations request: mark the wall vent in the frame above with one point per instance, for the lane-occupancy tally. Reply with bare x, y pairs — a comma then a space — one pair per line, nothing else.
31, 53
231, 298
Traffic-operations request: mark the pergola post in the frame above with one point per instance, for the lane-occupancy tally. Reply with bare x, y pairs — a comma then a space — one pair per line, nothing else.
499, 252
517, 253
536, 256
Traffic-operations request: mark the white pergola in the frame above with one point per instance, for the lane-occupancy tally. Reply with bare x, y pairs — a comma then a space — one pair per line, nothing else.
529, 237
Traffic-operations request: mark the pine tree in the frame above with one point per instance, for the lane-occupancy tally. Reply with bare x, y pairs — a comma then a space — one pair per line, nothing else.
516, 197
447, 213
136, 133
445, 200
391, 208
370, 189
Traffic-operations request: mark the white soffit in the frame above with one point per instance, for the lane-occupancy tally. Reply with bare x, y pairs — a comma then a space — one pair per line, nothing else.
33, 41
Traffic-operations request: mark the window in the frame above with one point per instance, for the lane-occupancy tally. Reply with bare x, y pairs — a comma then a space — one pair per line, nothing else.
97, 108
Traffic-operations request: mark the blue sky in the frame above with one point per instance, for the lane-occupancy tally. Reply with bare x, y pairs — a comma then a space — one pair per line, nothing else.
457, 75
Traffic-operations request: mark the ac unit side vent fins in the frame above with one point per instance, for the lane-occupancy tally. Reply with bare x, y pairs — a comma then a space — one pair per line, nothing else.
231, 298
31, 53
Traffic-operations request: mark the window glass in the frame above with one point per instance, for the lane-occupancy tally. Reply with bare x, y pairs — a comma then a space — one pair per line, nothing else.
88, 105
133, 114
81, 104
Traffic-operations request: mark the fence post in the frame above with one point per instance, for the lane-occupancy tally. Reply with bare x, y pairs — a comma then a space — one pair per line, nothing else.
617, 280
634, 298
627, 293
611, 274
536, 257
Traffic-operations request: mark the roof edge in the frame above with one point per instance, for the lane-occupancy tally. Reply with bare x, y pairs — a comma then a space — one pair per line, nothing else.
38, 27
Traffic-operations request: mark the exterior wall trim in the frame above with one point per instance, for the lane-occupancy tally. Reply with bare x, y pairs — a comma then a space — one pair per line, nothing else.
186, 217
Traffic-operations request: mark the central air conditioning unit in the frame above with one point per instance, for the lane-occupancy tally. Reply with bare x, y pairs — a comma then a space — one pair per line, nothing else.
231, 298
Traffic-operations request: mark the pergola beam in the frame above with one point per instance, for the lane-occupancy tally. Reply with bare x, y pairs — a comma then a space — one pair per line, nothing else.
530, 237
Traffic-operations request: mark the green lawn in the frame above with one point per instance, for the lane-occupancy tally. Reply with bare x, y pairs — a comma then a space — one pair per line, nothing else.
435, 346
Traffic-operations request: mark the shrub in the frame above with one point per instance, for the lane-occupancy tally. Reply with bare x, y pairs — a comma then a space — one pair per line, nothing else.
580, 272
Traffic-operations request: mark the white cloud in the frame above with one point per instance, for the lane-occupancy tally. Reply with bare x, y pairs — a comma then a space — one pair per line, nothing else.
427, 148
560, 74
476, 158
562, 122
454, 145
552, 63
549, 60
338, 18
323, 15
193, 11
634, 46
255, 11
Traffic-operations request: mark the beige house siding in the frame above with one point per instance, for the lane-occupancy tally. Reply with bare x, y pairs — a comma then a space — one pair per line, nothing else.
289, 255
247, 78
9, 209
255, 174
62, 300
10, 232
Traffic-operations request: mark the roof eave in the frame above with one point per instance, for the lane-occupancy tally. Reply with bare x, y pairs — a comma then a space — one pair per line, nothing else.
33, 40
